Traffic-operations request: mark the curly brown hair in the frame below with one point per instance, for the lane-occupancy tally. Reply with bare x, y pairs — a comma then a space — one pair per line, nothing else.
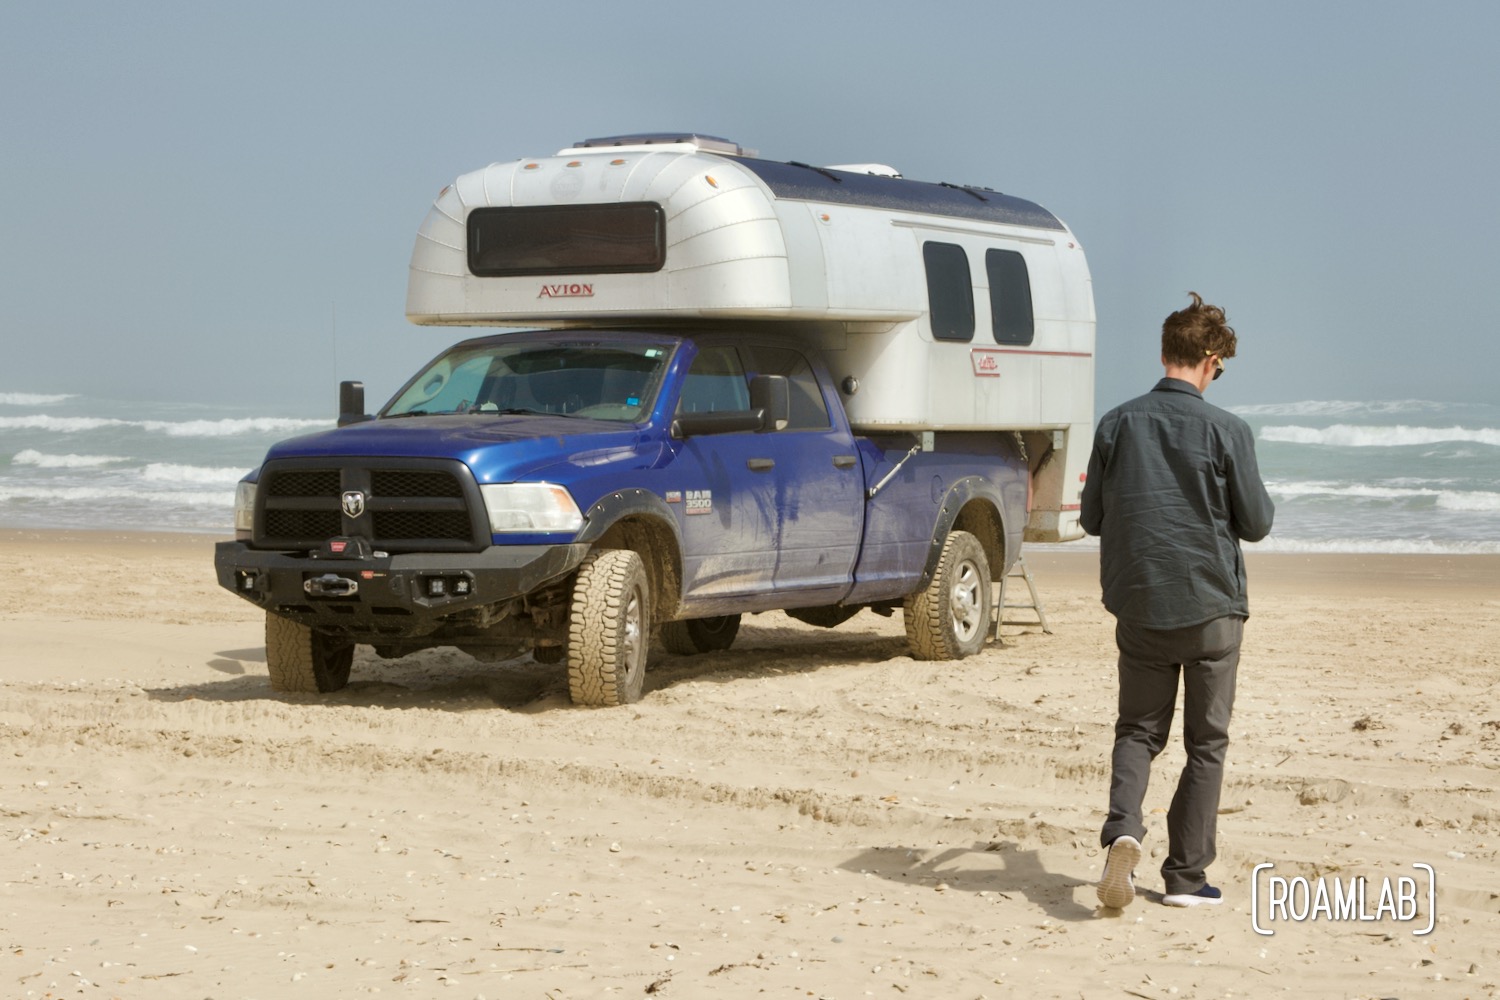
1191, 334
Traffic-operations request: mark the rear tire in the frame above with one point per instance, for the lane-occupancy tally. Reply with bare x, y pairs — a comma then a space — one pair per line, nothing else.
609, 629
303, 660
950, 618
700, 635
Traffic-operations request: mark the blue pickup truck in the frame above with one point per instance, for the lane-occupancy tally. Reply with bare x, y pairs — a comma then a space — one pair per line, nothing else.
659, 459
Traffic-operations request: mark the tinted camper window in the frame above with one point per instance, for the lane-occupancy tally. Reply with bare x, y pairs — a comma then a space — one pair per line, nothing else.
567, 239
950, 291
1010, 297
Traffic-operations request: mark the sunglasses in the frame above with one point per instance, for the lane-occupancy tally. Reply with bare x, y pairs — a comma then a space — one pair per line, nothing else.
1217, 361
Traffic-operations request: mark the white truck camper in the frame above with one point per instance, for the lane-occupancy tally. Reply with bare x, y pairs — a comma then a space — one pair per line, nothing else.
939, 309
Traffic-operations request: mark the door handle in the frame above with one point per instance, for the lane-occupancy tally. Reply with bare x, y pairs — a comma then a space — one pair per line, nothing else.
844, 461
761, 464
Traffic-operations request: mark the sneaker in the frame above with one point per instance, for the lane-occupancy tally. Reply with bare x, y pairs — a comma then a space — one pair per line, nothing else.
1117, 885
1206, 896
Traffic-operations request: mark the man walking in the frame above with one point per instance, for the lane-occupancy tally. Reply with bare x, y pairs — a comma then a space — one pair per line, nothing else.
1172, 489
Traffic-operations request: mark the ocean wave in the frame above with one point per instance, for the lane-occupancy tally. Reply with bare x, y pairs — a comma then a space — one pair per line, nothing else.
41, 460
162, 472
1395, 436
104, 497
1352, 546
1376, 546
227, 427
1340, 407
1470, 500
1477, 502
32, 398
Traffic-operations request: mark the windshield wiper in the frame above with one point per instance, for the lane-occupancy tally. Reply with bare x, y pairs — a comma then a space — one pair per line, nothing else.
516, 411
477, 411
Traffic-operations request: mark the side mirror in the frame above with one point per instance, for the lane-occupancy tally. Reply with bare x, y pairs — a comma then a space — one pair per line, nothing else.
772, 396
770, 410
352, 403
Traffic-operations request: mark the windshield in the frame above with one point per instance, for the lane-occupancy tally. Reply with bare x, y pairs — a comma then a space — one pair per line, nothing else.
578, 378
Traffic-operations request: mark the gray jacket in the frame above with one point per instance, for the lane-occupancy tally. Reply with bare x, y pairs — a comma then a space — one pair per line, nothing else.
1172, 489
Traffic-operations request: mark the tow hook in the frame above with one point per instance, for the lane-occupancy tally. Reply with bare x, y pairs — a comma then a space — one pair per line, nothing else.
330, 585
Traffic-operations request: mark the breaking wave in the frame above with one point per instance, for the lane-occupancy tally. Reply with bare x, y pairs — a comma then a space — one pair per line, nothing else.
111, 496
41, 460
32, 398
1395, 436
1340, 408
161, 472
1473, 500
1378, 546
228, 427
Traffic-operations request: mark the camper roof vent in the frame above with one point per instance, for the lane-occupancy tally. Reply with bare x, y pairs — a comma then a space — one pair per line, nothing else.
873, 169
707, 143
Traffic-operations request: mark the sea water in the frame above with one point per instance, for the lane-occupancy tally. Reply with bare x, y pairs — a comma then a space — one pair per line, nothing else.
78, 462
1383, 476
1387, 476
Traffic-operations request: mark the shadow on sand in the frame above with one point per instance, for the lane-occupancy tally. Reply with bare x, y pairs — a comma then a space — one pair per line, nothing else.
446, 679
1001, 867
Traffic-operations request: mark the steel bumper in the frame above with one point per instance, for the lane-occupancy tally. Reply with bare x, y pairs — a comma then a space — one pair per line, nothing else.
401, 594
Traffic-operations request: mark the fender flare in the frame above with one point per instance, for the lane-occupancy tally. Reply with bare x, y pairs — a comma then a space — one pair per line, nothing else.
958, 495
613, 507
655, 535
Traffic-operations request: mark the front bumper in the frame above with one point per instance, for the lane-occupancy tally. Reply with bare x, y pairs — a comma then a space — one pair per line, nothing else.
389, 596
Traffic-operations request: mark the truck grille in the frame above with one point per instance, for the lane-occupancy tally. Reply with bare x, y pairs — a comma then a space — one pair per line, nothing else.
409, 505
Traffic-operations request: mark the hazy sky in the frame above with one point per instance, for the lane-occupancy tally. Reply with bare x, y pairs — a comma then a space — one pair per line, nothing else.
212, 201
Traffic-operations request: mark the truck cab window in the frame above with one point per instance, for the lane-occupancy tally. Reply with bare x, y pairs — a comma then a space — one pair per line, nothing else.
809, 411
715, 383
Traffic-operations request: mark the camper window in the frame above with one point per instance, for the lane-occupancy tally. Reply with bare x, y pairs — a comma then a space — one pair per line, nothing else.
567, 239
950, 291
1010, 297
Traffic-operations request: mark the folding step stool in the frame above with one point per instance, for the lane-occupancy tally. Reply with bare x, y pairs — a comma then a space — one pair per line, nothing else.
1022, 571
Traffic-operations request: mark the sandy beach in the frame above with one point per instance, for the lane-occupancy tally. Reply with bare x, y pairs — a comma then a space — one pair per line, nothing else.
809, 814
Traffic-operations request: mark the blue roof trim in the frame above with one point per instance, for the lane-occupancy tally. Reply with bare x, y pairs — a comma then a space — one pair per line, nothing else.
803, 183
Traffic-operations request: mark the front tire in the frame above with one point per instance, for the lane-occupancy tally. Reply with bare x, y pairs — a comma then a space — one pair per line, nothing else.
303, 660
609, 629
700, 635
950, 618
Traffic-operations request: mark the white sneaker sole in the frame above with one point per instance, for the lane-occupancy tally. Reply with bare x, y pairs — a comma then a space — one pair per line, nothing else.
1187, 899
1116, 888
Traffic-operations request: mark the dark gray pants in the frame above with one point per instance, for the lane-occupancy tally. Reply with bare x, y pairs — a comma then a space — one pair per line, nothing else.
1150, 660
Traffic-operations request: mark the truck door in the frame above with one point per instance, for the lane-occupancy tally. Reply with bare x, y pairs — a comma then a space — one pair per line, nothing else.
726, 493
817, 484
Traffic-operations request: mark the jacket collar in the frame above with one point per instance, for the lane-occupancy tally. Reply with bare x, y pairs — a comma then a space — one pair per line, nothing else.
1177, 385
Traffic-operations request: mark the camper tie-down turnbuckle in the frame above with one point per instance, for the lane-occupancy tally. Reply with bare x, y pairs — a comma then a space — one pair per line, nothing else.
870, 493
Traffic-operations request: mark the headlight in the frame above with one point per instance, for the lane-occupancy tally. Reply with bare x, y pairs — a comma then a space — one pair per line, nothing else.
530, 507
244, 507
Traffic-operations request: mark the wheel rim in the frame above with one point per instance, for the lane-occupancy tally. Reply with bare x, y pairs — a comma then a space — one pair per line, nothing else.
964, 602
633, 644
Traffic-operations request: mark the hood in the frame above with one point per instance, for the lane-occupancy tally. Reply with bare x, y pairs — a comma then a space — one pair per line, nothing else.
498, 449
